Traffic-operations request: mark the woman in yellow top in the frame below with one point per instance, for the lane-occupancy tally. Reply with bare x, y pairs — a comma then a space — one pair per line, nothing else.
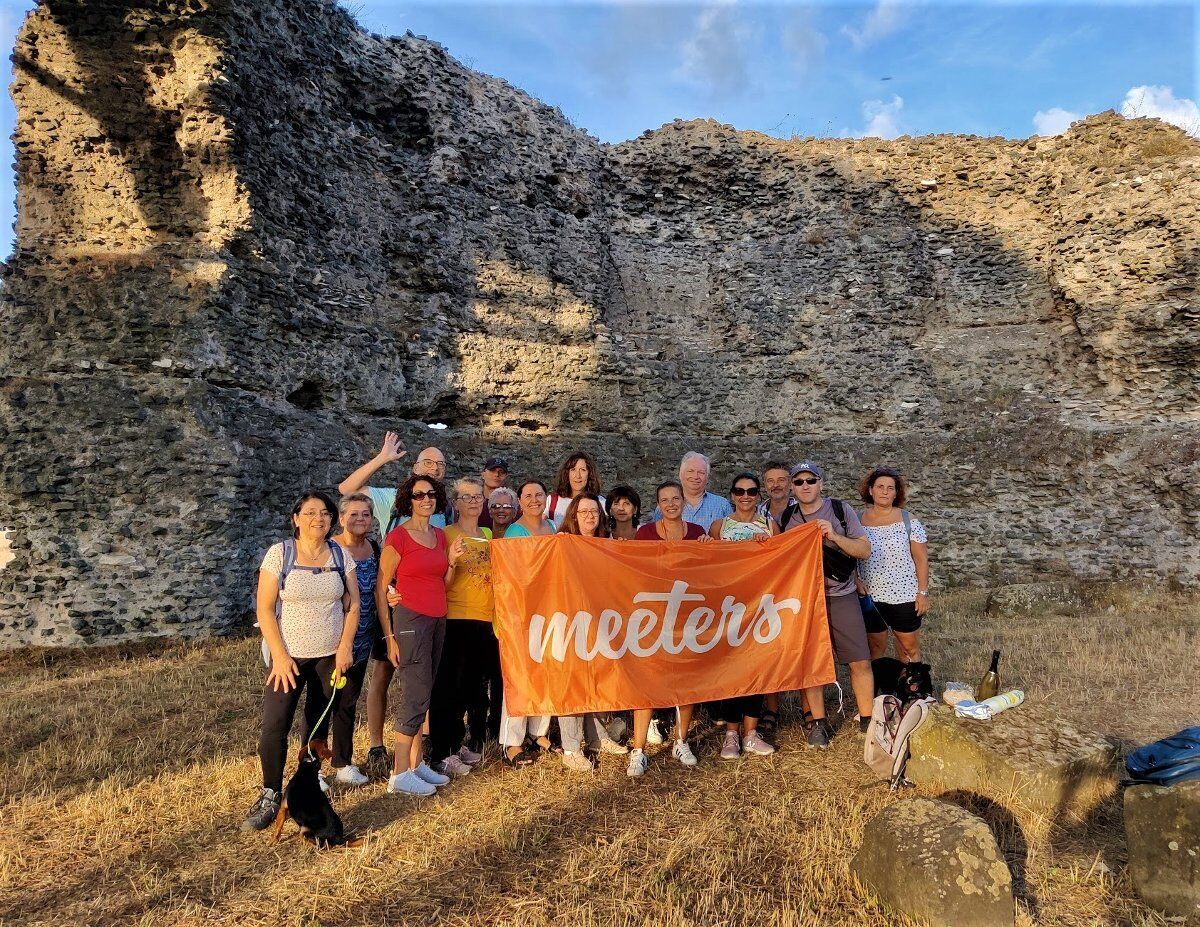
470, 610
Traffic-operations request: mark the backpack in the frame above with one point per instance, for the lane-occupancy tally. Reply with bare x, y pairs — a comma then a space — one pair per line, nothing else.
836, 565
886, 747
1167, 761
339, 561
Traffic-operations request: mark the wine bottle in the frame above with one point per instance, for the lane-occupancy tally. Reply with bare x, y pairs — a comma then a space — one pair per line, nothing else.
989, 685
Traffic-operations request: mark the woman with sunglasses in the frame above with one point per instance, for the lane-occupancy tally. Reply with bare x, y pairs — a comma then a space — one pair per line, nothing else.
646, 728
745, 524
419, 562
309, 644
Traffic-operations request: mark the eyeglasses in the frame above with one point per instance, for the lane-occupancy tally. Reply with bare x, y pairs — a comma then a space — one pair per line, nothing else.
436, 464
742, 491
801, 481
474, 497
427, 494
321, 515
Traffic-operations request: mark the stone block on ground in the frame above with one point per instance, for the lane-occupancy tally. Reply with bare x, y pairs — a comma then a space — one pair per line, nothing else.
1162, 827
935, 861
1027, 758
1034, 598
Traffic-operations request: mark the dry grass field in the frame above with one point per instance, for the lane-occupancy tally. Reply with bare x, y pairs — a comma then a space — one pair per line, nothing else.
130, 769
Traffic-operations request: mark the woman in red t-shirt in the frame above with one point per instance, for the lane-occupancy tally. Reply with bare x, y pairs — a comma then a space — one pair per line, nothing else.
417, 560
671, 527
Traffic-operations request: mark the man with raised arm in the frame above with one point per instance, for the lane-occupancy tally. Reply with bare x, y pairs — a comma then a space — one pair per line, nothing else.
430, 462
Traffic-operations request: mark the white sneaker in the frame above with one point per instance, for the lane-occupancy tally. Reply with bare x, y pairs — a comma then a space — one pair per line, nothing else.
577, 762
732, 748
409, 783
637, 763
682, 752
433, 778
453, 766
470, 757
351, 775
608, 745
754, 743
653, 734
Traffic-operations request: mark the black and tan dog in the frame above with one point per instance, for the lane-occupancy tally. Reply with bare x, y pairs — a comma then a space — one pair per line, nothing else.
306, 803
907, 681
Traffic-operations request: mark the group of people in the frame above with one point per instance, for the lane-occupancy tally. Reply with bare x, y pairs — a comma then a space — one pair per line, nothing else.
396, 582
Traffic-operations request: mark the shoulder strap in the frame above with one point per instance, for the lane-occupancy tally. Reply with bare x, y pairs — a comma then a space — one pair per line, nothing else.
907, 523
839, 509
289, 560
339, 562
553, 505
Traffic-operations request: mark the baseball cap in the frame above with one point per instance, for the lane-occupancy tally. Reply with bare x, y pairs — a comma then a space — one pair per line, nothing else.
807, 466
496, 463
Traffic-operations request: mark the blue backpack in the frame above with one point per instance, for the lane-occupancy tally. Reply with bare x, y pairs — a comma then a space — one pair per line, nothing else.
1167, 761
289, 561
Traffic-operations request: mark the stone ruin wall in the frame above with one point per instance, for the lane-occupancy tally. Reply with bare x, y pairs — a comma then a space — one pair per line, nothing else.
252, 237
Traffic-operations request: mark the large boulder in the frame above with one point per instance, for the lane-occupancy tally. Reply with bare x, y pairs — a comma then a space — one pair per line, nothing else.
935, 861
1034, 598
1162, 826
1027, 758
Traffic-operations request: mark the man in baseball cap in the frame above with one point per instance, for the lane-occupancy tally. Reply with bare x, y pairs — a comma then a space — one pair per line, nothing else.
495, 476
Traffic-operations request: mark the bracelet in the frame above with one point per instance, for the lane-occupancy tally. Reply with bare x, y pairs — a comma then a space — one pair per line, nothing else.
923, 592
388, 636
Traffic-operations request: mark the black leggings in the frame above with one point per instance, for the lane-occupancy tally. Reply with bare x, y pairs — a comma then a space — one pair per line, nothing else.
733, 710
279, 708
459, 679
345, 711
485, 703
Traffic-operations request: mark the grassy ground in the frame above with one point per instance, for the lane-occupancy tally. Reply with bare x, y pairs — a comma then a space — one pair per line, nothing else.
129, 772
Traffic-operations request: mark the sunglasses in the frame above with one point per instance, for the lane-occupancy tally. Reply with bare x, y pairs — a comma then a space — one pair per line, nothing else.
740, 491
810, 481
500, 505
427, 494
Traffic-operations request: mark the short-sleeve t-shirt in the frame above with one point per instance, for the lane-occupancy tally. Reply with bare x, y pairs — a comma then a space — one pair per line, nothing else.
649, 532
384, 500
711, 508
890, 574
469, 594
420, 576
556, 508
310, 614
734, 530
518, 530
854, 529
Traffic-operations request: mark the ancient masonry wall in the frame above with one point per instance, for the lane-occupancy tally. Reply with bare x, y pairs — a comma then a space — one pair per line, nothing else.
252, 237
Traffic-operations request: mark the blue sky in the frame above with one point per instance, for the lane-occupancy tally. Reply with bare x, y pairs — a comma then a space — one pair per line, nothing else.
884, 67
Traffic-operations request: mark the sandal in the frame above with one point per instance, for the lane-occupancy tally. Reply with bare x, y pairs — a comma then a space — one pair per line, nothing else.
768, 722
522, 759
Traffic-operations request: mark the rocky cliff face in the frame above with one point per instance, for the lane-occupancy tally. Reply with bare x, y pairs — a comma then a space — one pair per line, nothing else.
251, 237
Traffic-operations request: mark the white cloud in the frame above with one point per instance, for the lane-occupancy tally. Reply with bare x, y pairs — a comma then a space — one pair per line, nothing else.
883, 119
803, 40
714, 55
885, 18
1159, 101
1053, 121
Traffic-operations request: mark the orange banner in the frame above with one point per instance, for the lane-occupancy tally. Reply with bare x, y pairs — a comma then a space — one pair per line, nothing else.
590, 624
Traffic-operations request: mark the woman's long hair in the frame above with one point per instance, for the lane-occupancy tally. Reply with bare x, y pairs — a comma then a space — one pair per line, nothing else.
563, 480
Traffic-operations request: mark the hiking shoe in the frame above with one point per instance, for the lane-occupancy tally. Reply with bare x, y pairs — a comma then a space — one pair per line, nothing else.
732, 748
682, 752
409, 783
616, 728
452, 766
654, 734
433, 778
608, 745
637, 763
378, 764
864, 724
818, 734
263, 811
577, 762
470, 757
754, 743
351, 775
